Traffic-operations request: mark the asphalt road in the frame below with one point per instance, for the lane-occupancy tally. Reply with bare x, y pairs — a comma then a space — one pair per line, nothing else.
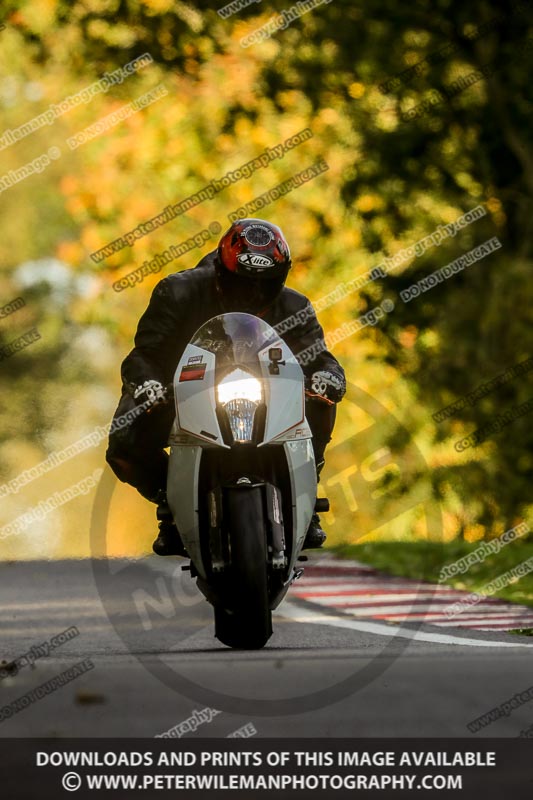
149, 635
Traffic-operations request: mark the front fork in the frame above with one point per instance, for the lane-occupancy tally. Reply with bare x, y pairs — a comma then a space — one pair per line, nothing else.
219, 539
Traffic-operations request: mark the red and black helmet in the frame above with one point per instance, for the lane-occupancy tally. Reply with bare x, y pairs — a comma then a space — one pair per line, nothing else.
252, 264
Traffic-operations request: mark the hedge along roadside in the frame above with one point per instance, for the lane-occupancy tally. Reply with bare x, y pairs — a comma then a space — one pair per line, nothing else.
45, 507
455, 88
27, 339
522, 368
55, 459
280, 190
346, 330
109, 121
54, 111
483, 551
499, 422
35, 166
230, 9
207, 193
281, 21
449, 49
435, 239
11, 307
166, 257
440, 275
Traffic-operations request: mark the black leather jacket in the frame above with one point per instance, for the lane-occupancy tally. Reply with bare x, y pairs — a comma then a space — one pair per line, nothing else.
184, 301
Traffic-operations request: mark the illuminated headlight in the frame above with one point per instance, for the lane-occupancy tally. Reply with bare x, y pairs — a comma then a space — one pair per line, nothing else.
240, 393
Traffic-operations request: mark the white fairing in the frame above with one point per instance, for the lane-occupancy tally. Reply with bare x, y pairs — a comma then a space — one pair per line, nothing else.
302, 470
195, 399
284, 394
195, 427
182, 495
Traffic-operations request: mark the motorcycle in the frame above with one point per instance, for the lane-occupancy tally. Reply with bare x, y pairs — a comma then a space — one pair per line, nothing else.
241, 478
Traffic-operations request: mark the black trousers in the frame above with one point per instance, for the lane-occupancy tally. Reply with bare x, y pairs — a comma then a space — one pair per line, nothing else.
136, 452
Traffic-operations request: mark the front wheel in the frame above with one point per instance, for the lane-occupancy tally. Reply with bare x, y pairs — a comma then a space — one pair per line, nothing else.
247, 624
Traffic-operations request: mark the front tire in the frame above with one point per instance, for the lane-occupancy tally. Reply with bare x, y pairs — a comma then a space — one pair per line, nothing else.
247, 624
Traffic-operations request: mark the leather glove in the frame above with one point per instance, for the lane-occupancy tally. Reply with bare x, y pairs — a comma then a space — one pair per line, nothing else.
326, 386
152, 392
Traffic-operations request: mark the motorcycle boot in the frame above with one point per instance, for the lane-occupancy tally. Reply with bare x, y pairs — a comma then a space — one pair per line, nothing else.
315, 536
168, 542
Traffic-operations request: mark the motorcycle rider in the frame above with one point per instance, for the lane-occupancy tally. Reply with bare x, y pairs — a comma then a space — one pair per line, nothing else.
247, 273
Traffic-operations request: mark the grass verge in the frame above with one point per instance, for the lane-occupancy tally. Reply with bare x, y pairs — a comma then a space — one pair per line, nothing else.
424, 561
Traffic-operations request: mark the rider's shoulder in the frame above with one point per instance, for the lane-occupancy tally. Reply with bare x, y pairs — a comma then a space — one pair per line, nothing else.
187, 279
292, 299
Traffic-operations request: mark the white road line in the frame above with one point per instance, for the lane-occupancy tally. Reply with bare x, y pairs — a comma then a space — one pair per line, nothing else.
297, 614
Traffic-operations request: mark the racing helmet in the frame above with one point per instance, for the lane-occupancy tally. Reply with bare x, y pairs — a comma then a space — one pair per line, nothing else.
251, 265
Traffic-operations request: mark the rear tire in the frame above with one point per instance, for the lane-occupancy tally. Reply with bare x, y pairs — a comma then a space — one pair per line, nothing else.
247, 624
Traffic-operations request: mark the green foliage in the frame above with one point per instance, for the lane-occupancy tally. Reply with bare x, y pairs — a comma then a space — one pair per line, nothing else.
423, 561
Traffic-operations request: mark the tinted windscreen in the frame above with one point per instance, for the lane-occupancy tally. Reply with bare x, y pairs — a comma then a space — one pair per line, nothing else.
235, 338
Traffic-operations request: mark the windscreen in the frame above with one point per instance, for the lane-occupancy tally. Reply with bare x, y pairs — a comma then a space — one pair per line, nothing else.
235, 338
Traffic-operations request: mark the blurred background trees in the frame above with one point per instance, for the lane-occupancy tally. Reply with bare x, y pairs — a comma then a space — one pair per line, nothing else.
392, 472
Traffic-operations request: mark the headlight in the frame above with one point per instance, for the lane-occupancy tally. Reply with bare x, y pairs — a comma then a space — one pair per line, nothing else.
239, 385
240, 393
